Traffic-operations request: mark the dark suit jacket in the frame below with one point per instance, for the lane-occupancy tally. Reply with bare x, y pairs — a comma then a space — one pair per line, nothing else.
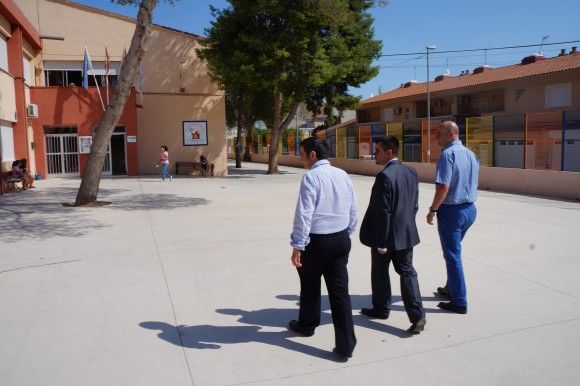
389, 221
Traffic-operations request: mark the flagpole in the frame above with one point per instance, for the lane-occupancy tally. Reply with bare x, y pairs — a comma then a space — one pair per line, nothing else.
107, 65
95, 78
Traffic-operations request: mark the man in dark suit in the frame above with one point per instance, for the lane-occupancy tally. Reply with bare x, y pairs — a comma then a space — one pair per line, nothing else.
389, 229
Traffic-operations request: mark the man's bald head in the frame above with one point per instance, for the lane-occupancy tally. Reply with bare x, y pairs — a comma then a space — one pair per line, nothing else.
448, 132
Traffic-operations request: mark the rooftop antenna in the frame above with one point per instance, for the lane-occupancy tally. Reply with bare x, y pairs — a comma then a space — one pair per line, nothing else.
543, 40
414, 72
448, 72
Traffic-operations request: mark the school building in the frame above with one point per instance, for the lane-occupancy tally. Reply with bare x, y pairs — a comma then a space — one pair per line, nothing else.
47, 116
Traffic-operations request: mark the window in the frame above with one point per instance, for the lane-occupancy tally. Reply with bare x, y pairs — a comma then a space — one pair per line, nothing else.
388, 115
480, 105
64, 73
559, 95
6, 140
69, 77
3, 53
27, 74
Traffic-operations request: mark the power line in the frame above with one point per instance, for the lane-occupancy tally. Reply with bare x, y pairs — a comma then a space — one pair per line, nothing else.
406, 61
480, 49
554, 50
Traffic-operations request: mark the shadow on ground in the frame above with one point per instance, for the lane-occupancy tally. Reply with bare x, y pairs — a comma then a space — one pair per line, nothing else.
212, 337
40, 214
233, 171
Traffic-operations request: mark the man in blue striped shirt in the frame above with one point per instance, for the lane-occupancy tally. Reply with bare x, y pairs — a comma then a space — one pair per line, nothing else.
456, 180
325, 218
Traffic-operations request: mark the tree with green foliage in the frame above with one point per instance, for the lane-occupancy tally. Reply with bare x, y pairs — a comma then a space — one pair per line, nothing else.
299, 50
89, 188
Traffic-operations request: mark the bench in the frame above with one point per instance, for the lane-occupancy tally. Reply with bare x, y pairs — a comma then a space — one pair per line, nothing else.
9, 183
192, 169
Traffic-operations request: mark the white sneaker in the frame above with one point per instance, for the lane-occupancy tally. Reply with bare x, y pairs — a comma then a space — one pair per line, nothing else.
170, 178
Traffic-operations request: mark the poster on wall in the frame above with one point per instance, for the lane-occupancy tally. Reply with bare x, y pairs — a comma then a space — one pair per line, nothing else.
85, 143
194, 133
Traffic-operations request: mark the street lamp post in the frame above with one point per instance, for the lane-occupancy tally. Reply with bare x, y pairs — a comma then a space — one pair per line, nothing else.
429, 48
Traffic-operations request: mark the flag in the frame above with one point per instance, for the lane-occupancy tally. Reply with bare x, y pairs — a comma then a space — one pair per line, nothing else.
107, 67
86, 65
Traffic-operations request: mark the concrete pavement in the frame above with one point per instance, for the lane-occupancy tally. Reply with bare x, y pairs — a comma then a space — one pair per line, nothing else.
93, 296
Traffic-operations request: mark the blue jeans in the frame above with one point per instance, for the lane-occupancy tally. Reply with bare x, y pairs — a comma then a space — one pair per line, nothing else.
165, 171
453, 221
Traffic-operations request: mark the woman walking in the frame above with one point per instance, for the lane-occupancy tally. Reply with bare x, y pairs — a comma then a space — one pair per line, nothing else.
164, 163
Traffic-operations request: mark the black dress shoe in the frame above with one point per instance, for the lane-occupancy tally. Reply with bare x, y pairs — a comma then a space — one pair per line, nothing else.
442, 292
295, 326
417, 327
448, 306
373, 313
342, 355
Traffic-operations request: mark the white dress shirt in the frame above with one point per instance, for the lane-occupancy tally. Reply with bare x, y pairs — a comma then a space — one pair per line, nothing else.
326, 204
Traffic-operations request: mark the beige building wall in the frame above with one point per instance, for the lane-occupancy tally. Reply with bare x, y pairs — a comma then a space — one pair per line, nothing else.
176, 80
533, 98
520, 181
83, 27
30, 135
176, 85
167, 130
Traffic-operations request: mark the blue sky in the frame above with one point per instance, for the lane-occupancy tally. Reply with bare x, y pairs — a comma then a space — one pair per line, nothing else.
409, 25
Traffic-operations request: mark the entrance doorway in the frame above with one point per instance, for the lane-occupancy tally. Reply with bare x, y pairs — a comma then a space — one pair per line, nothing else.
116, 160
62, 153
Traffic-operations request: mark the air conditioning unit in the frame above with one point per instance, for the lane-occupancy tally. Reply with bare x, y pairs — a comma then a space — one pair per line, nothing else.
32, 111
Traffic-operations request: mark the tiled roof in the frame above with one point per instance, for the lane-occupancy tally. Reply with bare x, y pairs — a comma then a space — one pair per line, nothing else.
490, 75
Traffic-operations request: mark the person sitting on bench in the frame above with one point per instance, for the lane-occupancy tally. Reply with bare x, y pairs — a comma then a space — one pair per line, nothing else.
204, 165
28, 179
19, 172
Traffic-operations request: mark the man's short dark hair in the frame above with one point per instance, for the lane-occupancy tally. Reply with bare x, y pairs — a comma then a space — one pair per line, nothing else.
319, 146
388, 142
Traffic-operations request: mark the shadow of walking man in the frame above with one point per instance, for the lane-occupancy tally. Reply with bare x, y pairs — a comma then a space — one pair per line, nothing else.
212, 337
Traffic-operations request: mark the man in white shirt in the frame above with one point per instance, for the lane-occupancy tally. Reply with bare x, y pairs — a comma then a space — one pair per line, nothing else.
324, 220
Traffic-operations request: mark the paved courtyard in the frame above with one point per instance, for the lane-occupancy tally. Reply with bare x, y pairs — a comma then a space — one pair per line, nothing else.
190, 283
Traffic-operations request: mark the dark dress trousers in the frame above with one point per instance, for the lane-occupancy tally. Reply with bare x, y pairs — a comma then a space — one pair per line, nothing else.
389, 222
327, 255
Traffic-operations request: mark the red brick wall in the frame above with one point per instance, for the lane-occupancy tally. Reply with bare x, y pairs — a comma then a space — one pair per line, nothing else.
75, 106
16, 69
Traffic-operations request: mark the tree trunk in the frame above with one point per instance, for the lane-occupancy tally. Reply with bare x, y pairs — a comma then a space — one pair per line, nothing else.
277, 131
273, 154
248, 126
239, 133
89, 188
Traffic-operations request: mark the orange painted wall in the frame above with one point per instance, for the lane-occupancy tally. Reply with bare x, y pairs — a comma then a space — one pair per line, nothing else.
15, 68
75, 106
